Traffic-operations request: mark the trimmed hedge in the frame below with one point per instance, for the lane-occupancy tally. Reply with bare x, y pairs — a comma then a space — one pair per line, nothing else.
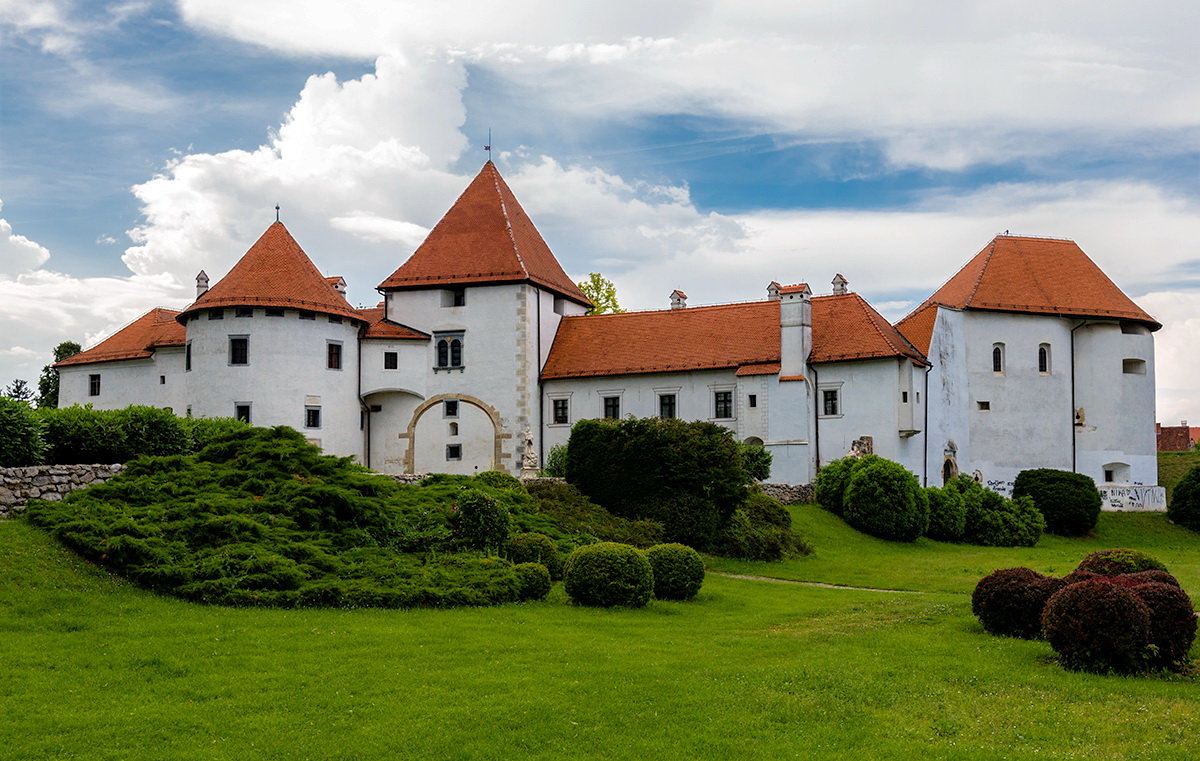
608, 574
678, 571
82, 435
1100, 627
202, 431
1070, 502
1119, 561
829, 487
1185, 501
947, 514
883, 499
1009, 602
533, 581
21, 440
532, 547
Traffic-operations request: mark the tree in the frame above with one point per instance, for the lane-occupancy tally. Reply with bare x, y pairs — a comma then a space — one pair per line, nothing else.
48, 381
602, 293
19, 390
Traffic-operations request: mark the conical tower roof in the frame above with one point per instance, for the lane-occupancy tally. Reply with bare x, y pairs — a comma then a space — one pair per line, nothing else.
275, 272
485, 237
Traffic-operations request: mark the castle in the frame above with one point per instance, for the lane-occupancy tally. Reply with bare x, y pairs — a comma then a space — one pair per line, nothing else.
481, 353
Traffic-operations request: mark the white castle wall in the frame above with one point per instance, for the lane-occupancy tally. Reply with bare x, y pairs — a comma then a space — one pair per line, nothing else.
155, 381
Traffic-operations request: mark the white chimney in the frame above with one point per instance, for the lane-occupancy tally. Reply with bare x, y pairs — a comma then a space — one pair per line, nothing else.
339, 285
678, 299
839, 283
201, 284
773, 291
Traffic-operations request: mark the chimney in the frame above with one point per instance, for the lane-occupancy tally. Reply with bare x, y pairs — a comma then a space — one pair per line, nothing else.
839, 283
795, 329
339, 285
678, 299
201, 284
773, 291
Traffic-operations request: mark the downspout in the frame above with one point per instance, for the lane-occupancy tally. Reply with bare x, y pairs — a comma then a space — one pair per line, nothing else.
366, 408
816, 423
1074, 454
540, 402
925, 430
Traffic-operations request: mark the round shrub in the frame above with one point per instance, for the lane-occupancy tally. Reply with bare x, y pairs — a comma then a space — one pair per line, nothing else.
829, 487
1009, 602
1184, 508
883, 499
1172, 623
1119, 561
947, 514
993, 521
1098, 626
479, 522
535, 548
533, 581
498, 479
678, 571
1070, 502
764, 509
607, 574
20, 434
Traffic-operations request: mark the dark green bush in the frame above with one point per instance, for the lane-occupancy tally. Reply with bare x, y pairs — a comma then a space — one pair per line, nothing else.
947, 514
829, 488
77, 435
1172, 623
756, 459
479, 522
1100, 627
1070, 502
533, 581
993, 521
570, 509
201, 431
21, 441
883, 499
153, 431
556, 462
760, 531
688, 476
607, 574
531, 547
498, 479
764, 509
1119, 561
1184, 508
1009, 602
678, 571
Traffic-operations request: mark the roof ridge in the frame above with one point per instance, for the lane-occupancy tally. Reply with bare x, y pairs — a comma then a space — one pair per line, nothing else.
508, 221
668, 310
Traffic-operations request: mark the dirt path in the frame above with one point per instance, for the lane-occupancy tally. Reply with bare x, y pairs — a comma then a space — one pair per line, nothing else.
821, 584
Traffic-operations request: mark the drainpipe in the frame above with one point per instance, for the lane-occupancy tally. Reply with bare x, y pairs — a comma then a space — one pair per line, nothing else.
1074, 464
541, 437
925, 432
816, 422
366, 408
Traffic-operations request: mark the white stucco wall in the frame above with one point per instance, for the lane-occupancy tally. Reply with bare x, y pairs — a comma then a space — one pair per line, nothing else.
948, 438
155, 382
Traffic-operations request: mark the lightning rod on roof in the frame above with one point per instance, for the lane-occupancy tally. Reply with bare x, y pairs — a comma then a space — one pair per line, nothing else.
488, 147
276, 212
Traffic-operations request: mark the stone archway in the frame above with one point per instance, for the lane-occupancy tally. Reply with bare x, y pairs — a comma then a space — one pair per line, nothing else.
498, 434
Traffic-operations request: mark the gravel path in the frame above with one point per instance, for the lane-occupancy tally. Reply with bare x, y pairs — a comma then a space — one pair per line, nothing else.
815, 584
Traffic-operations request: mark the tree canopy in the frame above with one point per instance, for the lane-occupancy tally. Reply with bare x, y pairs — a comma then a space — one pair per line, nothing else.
48, 381
602, 293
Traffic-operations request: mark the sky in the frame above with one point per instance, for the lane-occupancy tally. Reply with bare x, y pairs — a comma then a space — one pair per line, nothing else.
707, 145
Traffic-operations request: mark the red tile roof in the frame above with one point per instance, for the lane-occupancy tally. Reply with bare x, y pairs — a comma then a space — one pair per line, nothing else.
797, 288
1174, 438
378, 326
485, 237
275, 272
1038, 276
918, 327
137, 340
743, 336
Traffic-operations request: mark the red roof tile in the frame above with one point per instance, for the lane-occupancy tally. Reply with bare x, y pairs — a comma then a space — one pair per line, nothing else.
740, 336
485, 237
762, 368
1038, 276
797, 288
378, 326
275, 272
137, 340
918, 327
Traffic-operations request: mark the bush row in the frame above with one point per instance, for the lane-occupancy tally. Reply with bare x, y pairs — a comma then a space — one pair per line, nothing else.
608, 574
1118, 611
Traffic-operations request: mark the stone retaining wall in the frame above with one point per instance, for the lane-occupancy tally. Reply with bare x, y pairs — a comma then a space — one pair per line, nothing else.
49, 482
790, 494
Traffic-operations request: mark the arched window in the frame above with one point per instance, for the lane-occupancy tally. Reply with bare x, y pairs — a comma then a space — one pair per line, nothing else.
449, 351
454, 429
443, 353
455, 352
1044, 359
998, 358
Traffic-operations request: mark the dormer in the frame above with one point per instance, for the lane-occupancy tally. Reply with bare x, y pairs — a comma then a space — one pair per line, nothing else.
678, 299
201, 284
338, 283
839, 284
773, 291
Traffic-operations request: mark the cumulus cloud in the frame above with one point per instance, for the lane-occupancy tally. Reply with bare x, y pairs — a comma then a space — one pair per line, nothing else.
18, 253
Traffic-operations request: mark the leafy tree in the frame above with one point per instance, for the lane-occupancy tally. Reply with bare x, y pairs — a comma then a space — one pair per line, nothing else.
48, 382
602, 293
19, 390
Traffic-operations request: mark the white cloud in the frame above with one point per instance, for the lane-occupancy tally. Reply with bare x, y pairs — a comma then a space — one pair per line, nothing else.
375, 229
18, 253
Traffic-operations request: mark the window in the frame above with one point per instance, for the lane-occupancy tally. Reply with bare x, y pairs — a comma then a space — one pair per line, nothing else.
94, 385
831, 402
241, 411
1133, 366
454, 429
239, 350
162, 380
243, 312
1116, 473
312, 417
984, 406
216, 314
560, 306
454, 297
453, 452
612, 406
752, 400
904, 397
450, 408
335, 319
187, 357
391, 360
306, 315
1133, 329
333, 355
998, 358
723, 404
666, 406
1108, 475
562, 411
449, 351
273, 312
1044, 359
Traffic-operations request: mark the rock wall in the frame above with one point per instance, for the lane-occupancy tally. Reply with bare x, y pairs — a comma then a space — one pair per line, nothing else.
49, 482
790, 494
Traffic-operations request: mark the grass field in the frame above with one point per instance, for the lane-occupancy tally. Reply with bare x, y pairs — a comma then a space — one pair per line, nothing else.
96, 669
1172, 466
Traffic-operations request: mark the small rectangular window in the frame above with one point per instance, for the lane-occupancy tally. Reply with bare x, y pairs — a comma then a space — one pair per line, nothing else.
612, 407
985, 405
187, 357
453, 452
454, 297
312, 417
666, 406
450, 408
830, 402
162, 380
1108, 476
904, 397
243, 312
723, 405
306, 315
391, 360
1133, 366
752, 400
241, 411
333, 356
273, 312
335, 319
216, 314
94, 385
239, 350
562, 413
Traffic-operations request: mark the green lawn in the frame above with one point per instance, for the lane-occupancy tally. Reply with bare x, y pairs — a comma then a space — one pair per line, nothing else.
1172, 466
96, 669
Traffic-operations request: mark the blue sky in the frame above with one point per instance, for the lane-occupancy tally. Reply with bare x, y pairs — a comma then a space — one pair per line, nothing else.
710, 146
